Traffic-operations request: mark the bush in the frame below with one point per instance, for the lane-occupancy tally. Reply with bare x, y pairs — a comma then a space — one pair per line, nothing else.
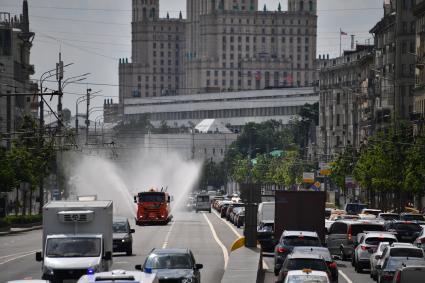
23, 219
4, 223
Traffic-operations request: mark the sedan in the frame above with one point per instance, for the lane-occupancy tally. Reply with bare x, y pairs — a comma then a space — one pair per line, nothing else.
173, 264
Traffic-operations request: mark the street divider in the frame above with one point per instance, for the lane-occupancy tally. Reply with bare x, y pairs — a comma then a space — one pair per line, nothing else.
244, 266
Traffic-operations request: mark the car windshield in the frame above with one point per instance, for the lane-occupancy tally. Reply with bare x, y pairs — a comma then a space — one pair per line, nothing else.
403, 252
374, 241
413, 217
360, 228
119, 227
355, 207
371, 211
307, 279
396, 262
412, 227
203, 198
306, 263
73, 247
389, 216
151, 197
297, 241
168, 261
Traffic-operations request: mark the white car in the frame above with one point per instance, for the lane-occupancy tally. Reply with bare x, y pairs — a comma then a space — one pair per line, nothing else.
374, 258
306, 275
120, 276
29, 281
420, 240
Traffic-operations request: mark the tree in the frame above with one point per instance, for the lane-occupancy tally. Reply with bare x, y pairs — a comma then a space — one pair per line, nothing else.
241, 169
342, 167
302, 125
7, 175
289, 170
415, 169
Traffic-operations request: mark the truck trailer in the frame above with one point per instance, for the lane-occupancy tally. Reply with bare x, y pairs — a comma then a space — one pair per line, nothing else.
77, 239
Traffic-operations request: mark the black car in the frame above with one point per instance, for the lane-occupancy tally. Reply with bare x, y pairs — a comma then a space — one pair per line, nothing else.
265, 235
405, 231
175, 265
414, 217
122, 238
288, 241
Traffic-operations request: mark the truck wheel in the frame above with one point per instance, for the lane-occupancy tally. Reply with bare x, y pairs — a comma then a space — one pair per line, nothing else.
129, 251
343, 256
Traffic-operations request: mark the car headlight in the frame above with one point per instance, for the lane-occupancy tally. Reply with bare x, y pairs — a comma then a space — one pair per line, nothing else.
48, 271
187, 280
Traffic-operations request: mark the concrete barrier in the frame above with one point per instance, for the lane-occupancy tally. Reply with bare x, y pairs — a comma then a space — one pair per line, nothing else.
244, 266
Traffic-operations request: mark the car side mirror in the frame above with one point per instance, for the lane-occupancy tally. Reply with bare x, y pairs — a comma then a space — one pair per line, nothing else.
132, 231
107, 256
199, 266
379, 267
38, 256
138, 267
135, 199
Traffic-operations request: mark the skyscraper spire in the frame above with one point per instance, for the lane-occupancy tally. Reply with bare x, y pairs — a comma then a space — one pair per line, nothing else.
26, 21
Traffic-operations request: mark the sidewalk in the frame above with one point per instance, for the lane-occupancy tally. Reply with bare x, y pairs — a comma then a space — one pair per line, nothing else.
20, 230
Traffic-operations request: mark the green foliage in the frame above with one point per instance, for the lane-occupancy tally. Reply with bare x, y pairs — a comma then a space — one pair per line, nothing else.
23, 219
7, 175
4, 223
289, 170
241, 169
213, 175
415, 167
343, 166
301, 127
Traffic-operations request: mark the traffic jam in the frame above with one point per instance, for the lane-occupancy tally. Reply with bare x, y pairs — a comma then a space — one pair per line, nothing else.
387, 245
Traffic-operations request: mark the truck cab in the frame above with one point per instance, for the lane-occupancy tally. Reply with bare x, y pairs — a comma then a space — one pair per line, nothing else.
153, 207
77, 237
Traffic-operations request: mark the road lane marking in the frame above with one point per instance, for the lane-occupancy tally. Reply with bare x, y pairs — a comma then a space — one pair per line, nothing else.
228, 224
20, 253
15, 258
217, 239
236, 233
345, 276
167, 237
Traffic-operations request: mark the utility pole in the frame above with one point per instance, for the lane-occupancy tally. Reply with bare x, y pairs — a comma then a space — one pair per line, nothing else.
8, 119
193, 143
59, 77
87, 115
41, 144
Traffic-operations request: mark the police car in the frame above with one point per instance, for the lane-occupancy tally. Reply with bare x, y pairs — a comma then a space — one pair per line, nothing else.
119, 275
306, 275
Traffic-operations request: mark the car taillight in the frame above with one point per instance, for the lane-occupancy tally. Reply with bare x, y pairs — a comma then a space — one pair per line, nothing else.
398, 278
363, 248
387, 277
332, 265
349, 233
281, 250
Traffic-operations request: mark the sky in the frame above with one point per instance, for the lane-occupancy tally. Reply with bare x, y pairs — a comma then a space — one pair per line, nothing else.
94, 34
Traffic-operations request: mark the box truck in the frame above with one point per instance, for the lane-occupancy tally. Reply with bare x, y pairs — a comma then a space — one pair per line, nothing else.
77, 239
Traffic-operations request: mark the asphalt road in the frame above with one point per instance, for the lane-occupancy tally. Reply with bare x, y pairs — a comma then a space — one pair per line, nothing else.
188, 230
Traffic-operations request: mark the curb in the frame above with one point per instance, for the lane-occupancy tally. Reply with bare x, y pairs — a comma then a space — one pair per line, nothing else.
20, 231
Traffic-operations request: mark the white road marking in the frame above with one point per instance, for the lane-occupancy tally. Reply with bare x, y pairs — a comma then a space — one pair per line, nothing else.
20, 253
217, 239
120, 262
345, 276
228, 224
236, 233
167, 237
15, 258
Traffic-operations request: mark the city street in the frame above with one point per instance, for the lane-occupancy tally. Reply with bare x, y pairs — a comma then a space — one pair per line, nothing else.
188, 230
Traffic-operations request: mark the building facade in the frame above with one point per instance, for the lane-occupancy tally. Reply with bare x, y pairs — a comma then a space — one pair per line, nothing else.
15, 70
346, 102
233, 109
395, 60
223, 45
419, 99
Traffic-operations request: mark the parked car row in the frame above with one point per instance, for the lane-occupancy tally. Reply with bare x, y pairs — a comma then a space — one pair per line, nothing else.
234, 212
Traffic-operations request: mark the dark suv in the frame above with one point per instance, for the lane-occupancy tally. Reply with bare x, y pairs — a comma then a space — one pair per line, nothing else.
342, 235
288, 241
122, 238
406, 231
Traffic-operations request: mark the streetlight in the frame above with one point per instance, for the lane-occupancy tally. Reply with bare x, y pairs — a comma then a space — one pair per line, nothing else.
79, 100
74, 79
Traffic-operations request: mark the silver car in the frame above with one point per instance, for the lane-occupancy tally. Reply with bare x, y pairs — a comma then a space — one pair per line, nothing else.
410, 274
374, 258
367, 245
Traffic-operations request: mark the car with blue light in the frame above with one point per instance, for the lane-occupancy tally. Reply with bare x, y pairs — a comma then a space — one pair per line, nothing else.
121, 276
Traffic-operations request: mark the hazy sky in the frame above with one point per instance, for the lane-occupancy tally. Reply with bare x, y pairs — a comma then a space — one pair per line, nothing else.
94, 34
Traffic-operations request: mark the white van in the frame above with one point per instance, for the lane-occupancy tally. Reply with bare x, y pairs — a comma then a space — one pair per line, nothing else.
265, 211
203, 203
